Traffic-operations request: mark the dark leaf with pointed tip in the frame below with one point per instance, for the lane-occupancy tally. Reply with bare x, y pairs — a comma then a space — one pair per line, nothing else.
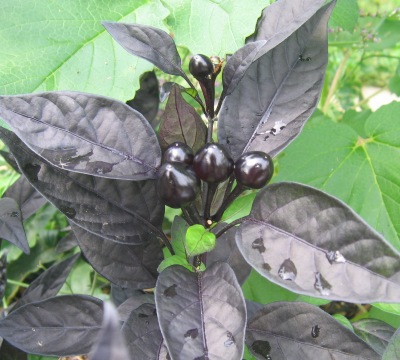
227, 251
201, 314
278, 92
124, 264
26, 196
85, 133
132, 303
147, 98
149, 43
68, 242
374, 332
312, 243
58, 326
278, 21
180, 122
142, 333
110, 344
121, 211
11, 228
393, 349
48, 283
293, 330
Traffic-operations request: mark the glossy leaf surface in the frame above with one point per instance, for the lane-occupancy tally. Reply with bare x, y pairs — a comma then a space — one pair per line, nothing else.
48, 283
85, 133
274, 99
26, 196
374, 332
292, 330
11, 228
313, 244
133, 302
41, 328
180, 122
110, 344
142, 333
201, 314
363, 166
111, 209
278, 21
147, 42
124, 264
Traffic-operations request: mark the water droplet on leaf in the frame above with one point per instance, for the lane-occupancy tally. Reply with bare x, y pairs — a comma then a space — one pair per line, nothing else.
258, 244
262, 348
192, 333
315, 331
335, 257
321, 284
170, 291
288, 270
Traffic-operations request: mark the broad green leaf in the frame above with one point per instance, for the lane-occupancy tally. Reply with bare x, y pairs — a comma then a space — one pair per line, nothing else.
178, 234
199, 240
239, 208
389, 308
174, 260
363, 171
345, 15
220, 29
61, 45
343, 320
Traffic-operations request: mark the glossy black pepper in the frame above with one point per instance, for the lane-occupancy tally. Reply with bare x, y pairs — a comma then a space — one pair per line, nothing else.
178, 152
200, 66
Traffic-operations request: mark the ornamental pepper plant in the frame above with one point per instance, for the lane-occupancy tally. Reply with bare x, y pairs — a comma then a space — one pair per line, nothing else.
112, 169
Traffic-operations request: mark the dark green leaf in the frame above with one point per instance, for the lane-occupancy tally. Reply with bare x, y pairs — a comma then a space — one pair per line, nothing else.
201, 314
313, 244
181, 122
85, 133
58, 326
11, 228
292, 330
274, 99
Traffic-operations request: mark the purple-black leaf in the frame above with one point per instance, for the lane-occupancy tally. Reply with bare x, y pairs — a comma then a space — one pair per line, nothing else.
9, 352
3, 274
59, 326
85, 133
278, 21
293, 330
11, 228
147, 98
26, 196
375, 333
68, 242
142, 333
124, 264
110, 344
180, 122
48, 283
202, 314
132, 303
393, 349
118, 210
149, 43
312, 243
10, 160
278, 92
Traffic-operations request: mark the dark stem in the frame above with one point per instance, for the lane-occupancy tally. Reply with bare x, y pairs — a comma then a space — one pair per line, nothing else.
194, 214
197, 97
229, 186
228, 226
221, 99
212, 187
187, 216
210, 130
229, 199
208, 88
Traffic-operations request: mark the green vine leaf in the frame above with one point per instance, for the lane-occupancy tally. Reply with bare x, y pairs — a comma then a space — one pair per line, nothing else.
199, 240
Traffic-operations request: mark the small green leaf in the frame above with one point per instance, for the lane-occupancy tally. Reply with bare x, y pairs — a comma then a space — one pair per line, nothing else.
199, 240
345, 15
178, 234
174, 260
239, 208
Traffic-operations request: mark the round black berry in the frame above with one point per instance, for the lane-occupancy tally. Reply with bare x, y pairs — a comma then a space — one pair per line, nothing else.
178, 152
212, 163
176, 185
200, 66
254, 169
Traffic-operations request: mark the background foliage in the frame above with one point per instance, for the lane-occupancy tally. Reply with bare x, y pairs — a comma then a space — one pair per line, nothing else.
350, 147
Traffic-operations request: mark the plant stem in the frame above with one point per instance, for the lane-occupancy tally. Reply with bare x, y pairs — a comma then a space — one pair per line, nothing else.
230, 225
212, 187
229, 199
93, 287
335, 82
18, 283
187, 216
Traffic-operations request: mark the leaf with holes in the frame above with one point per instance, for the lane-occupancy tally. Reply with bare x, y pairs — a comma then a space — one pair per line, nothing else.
313, 244
292, 330
41, 328
111, 209
85, 133
11, 228
278, 21
201, 314
278, 92
181, 122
